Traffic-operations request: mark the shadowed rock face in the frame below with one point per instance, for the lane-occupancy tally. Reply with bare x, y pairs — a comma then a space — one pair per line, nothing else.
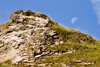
21, 15
26, 36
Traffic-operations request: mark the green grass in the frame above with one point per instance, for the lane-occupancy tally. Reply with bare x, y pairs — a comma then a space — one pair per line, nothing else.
70, 34
8, 63
86, 51
89, 55
18, 12
5, 25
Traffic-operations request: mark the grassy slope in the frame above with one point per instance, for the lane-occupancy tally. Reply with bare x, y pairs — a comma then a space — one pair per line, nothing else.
87, 48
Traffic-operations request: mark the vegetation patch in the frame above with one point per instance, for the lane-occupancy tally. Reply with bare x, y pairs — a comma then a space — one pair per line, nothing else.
70, 34
18, 12
6, 25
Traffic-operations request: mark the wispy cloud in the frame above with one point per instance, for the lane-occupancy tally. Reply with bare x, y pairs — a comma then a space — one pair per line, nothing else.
74, 20
96, 6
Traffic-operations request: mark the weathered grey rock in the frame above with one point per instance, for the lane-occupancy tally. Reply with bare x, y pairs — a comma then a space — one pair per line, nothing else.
63, 65
87, 63
17, 59
25, 54
61, 42
56, 43
42, 64
17, 18
37, 56
78, 61
26, 36
45, 53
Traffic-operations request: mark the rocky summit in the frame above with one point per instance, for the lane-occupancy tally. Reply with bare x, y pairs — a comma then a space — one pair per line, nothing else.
33, 39
25, 37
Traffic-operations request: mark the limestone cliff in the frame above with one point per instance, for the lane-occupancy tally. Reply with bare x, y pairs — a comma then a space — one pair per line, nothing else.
25, 37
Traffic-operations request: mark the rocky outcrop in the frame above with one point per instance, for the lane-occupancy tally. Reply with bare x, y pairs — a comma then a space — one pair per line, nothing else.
26, 36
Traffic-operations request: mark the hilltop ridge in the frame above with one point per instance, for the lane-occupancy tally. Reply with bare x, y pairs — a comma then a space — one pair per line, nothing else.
34, 39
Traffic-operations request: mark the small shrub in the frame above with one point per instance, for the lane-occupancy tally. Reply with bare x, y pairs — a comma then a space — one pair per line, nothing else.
6, 25
7, 61
18, 12
29, 44
1, 64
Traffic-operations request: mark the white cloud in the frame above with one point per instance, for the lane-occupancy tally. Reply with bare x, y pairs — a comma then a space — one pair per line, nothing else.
96, 7
74, 20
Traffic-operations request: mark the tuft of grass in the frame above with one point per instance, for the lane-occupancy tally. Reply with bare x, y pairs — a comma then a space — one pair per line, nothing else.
41, 15
18, 12
7, 61
29, 44
6, 25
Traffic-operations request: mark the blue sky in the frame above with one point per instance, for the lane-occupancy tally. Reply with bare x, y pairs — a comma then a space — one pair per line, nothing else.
82, 15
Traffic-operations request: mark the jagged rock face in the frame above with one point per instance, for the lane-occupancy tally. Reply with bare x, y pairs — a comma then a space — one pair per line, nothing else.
26, 37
